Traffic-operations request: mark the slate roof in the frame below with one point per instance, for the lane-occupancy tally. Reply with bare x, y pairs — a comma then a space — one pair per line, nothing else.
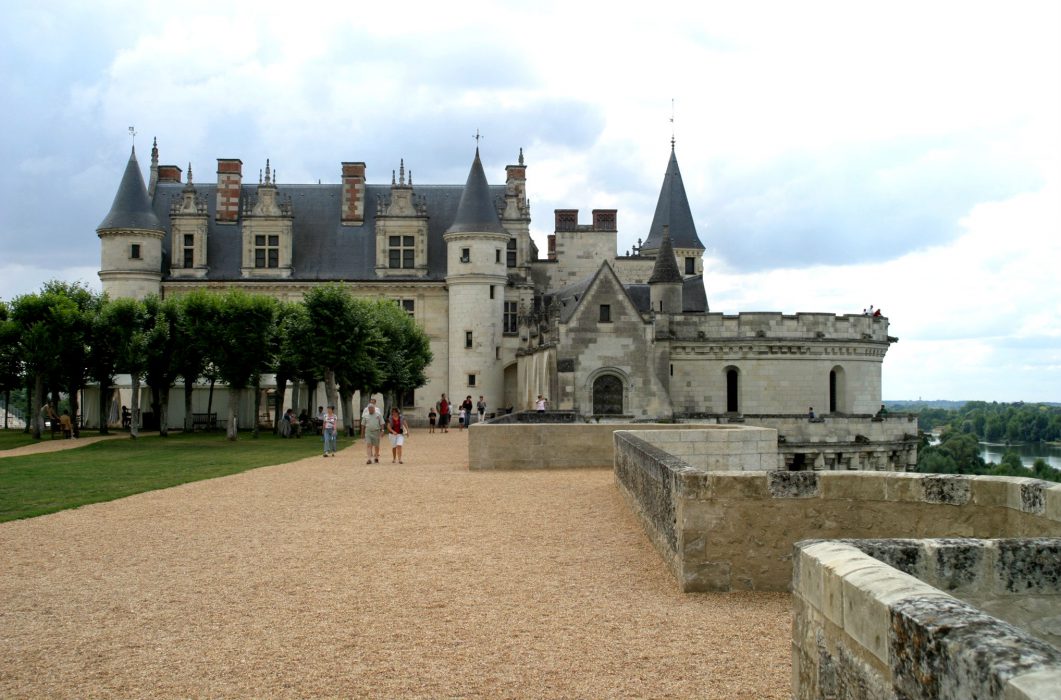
665, 269
476, 212
131, 208
672, 209
694, 296
322, 248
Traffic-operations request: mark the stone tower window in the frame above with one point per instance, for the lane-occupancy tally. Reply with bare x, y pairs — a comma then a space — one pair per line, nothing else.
134, 251
510, 260
605, 313
266, 251
189, 251
732, 390
467, 339
510, 325
690, 266
466, 255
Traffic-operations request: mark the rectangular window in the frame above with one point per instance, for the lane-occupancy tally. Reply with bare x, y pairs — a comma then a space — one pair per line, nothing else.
401, 252
497, 352
134, 251
408, 306
471, 380
605, 313
189, 257
266, 251
466, 255
467, 339
497, 255
491, 291
690, 266
510, 317
510, 260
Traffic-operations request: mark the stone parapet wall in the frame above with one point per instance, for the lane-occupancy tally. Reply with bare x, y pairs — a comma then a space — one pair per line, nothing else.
550, 445
735, 530
863, 628
819, 327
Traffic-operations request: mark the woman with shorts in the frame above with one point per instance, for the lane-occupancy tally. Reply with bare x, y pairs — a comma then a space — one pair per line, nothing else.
397, 429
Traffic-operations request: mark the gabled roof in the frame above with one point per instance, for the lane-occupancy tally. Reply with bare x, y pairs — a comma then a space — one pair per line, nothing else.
665, 270
476, 212
571, 297
131, 208
672, 210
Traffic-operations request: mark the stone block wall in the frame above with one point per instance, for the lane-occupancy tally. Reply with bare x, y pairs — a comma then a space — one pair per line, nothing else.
869, 623
725, 530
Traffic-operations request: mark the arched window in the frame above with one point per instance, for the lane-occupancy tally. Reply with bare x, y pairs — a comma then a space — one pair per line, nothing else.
837, 403
732, 390
607, 395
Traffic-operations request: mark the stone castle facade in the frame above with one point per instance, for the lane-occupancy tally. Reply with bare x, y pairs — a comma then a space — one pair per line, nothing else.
604, 335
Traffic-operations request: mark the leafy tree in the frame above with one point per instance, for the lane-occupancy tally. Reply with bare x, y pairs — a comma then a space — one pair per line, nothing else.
292, 323
162, 319
73, 336
10, 364
105, 339
127, 317
41, 321
405, 351
244, 329
196, 321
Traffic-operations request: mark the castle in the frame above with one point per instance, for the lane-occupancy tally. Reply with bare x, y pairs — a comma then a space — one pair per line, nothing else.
602, 335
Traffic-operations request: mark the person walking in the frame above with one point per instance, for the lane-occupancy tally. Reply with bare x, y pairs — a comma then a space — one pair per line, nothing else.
432, 418
466, 412
481, 408
372, 425
328, 425
397, 429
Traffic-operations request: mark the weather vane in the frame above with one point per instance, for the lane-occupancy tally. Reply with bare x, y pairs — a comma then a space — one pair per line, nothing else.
477, 137
672, 123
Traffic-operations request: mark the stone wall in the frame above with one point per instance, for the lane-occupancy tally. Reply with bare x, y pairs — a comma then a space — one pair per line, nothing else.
870, 621
735, 530
524, 445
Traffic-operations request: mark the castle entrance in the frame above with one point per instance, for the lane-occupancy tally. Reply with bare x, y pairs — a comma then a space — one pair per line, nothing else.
607, 395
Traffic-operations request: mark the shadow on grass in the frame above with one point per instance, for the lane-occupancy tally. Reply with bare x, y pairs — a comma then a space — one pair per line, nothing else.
35, 485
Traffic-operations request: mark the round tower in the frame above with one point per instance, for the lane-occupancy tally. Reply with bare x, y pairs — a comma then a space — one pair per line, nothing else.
131, 240
476, 246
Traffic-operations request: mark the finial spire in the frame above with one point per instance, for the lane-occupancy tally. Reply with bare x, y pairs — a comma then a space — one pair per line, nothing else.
401, 173
521, 155
132, 136
672, 124
189, 172
267, 177
154, 151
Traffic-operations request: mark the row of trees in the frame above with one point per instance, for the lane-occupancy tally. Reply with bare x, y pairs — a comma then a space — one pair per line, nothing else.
997, 422
959, 453
64, 336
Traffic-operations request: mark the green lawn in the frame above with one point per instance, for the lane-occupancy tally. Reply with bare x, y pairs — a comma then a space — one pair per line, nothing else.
39, 484
10, 439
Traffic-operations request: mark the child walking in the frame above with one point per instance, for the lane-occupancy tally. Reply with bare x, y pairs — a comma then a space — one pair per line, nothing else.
328, 425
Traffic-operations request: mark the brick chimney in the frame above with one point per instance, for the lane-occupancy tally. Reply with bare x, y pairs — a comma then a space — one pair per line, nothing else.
353, 193
566, 219
229, 182
169, 173
604, 220
552, 247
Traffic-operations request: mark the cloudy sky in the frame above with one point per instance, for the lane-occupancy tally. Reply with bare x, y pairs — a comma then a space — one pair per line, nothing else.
902, 154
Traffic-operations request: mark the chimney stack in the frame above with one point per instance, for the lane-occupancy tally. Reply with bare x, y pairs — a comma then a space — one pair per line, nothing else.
604, 220
229, 184
566, 219
353, 193
169, 173
552, 247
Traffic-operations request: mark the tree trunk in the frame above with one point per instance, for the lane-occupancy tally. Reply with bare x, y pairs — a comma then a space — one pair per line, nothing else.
234, 396
163, 411
134, 424
189, 387
156, 405
347, 400
7, 405
30, 417
36, 401
257, 387
104, 405
74, 404
210, 396
296, 395
329, 388
278, 403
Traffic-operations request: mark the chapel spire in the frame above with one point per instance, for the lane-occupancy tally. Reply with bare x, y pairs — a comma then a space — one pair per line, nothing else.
672, 210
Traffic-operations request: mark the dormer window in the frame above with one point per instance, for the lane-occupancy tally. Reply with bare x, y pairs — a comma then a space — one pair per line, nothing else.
189, 250
266, 251
401, 252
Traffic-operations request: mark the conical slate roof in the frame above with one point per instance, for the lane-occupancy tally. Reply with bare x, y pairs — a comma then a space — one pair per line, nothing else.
131, 208
476, 212
672, 210
666, 268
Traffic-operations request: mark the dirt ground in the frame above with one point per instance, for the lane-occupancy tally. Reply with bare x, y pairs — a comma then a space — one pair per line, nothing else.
330, 577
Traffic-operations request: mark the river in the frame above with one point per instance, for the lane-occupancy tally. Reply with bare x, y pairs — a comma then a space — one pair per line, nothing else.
1029, 452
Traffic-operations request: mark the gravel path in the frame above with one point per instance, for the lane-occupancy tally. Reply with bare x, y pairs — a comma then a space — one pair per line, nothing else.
329, 577
55, 445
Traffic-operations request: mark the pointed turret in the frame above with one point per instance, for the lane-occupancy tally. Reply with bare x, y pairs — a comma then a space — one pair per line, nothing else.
131, 208
672, 210
476, 212
665, 284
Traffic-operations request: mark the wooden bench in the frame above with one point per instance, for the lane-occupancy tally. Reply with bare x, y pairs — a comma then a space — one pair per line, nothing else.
204, 421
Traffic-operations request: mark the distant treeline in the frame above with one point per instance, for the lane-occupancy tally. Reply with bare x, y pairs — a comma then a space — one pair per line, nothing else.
992, 422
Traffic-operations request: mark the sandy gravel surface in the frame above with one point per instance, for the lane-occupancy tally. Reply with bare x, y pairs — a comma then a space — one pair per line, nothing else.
55, 445
328, 577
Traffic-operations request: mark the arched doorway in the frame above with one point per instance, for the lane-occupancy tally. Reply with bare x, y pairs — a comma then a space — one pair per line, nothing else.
607, 395
732, 390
